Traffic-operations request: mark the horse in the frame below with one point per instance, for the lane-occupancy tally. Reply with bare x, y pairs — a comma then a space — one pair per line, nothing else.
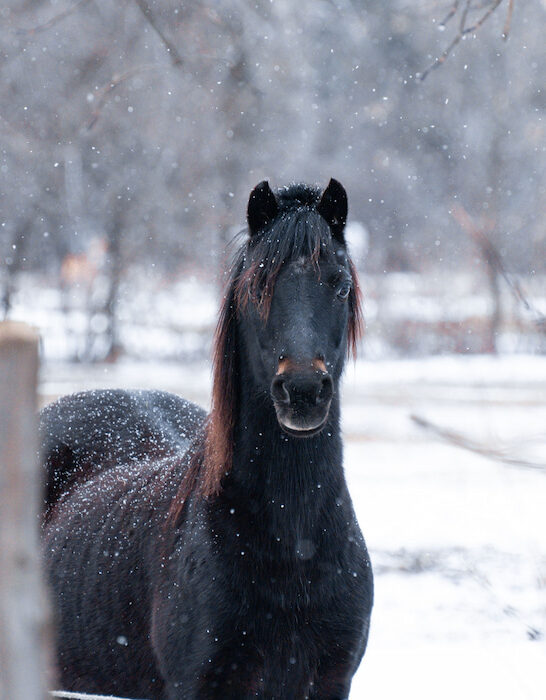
195, 556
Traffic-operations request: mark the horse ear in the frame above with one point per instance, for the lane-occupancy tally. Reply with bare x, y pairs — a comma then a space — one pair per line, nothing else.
262, 208
333, 208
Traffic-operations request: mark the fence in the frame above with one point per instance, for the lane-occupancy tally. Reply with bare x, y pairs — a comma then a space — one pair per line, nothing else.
26, 659
62, 694
24, 613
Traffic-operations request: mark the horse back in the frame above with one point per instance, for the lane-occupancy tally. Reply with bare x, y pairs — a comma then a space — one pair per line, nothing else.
88, 432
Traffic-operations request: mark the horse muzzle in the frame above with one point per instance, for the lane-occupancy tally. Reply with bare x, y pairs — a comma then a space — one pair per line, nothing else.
302, 399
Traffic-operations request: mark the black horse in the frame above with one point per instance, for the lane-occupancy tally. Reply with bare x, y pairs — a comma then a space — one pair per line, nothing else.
220, 557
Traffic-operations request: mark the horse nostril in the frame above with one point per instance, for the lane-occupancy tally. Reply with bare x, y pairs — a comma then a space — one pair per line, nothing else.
326, 390
279, 390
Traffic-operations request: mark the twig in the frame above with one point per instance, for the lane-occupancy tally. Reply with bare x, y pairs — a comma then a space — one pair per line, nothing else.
176, 58
53, 21
483, 18
508, 22
464, 30
114, 83
441, 59
460, 440
464, 15
458, 37
450, 14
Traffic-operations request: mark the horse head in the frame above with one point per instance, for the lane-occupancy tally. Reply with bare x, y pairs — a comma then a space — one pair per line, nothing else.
298, 300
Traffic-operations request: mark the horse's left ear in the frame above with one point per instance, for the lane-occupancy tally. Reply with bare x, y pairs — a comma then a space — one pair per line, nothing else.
333, 208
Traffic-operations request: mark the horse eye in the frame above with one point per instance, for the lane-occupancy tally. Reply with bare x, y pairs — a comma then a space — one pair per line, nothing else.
344, 291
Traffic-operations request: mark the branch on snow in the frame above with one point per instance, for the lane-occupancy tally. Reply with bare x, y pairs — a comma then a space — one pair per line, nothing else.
460, 440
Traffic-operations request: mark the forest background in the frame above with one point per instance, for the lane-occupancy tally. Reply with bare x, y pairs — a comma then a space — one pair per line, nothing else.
132, 132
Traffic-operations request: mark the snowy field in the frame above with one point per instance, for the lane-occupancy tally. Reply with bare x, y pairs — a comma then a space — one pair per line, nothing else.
458, 541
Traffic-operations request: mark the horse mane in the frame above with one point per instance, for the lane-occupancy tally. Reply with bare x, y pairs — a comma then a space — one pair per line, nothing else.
299, 231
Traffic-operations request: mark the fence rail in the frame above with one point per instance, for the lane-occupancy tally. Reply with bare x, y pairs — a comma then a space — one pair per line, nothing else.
64, 694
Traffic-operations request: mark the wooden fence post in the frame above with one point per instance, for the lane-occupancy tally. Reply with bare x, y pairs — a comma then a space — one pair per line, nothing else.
24, 611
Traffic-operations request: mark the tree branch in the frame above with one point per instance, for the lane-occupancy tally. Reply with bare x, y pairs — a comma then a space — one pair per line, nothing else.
113, 84
464, 29
458, 37
53, 21
176, 58
450, 14
508, 22
483, 18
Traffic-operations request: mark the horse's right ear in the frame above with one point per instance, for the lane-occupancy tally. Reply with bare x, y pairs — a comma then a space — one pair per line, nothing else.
262, 208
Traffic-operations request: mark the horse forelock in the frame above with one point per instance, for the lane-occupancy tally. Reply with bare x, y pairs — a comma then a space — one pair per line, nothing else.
299, 234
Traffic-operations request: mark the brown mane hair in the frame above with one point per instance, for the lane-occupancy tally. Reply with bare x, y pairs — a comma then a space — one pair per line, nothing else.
297, 233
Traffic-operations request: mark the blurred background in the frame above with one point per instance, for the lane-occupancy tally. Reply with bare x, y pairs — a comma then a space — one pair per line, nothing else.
131, 133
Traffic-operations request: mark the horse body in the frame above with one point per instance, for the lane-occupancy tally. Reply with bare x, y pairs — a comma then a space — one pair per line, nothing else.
94, 430
227, 563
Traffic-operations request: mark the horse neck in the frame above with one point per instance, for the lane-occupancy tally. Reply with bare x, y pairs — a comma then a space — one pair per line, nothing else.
280, 474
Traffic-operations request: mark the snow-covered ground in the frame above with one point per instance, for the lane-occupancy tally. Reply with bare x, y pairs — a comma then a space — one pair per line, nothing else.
458, 541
